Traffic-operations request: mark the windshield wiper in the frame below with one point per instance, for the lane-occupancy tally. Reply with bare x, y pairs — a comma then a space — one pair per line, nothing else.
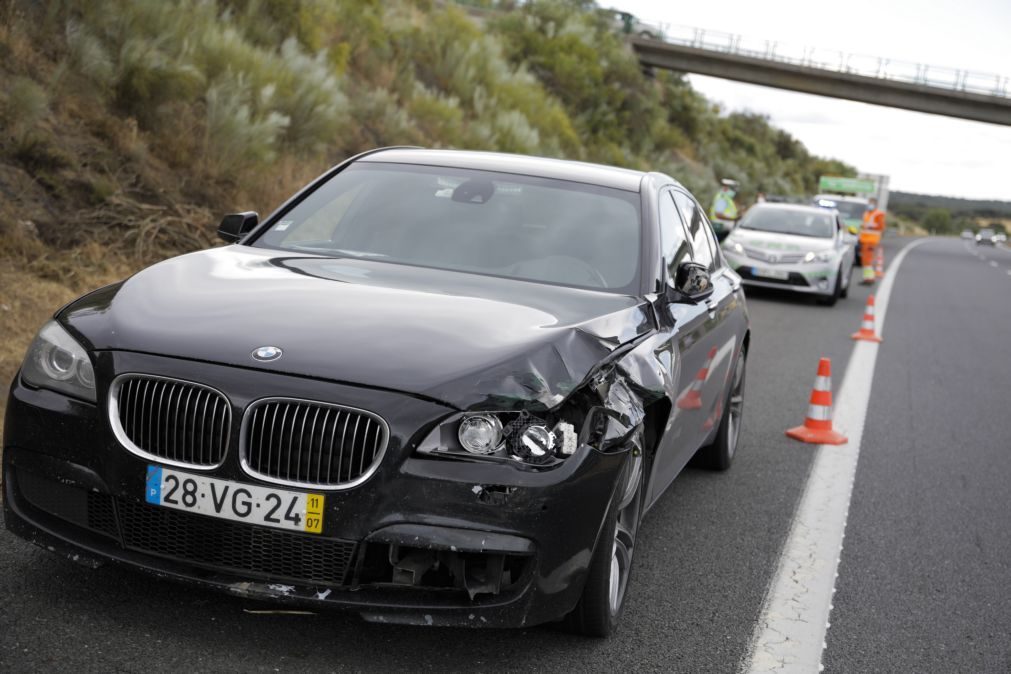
337, 251
358, 253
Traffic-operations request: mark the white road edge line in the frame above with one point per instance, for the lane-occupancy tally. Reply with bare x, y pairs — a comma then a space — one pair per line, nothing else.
791, 629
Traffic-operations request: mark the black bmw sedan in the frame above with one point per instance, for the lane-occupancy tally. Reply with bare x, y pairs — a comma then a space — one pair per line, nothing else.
434, 387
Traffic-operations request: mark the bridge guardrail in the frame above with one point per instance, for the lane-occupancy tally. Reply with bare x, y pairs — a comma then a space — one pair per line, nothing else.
954, 79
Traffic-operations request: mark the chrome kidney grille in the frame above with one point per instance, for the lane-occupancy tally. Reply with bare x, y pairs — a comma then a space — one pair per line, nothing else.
311, 444
170, 420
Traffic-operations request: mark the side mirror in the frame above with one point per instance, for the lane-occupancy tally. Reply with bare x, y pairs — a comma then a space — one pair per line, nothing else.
236, 225
691, 282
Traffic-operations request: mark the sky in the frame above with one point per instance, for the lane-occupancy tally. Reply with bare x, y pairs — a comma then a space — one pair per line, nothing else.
923, 153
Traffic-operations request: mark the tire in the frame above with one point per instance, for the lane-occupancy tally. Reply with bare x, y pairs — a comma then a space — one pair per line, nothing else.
603, 598
720, 454
845, 292
836, 292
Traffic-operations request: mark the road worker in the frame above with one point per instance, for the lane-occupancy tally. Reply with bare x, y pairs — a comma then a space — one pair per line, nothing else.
872, 230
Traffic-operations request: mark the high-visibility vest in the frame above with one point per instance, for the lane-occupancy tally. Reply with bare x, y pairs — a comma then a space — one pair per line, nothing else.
723, 207
874, 219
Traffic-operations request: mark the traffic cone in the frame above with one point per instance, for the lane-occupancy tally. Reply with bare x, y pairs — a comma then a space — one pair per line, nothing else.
879, 263
692, 398
866, 331
817, 428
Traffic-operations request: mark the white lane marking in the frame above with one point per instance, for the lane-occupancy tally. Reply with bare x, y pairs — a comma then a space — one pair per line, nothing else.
790, 633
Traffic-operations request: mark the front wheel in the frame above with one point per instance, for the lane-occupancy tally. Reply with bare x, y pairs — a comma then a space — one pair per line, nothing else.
830, 300
598, 610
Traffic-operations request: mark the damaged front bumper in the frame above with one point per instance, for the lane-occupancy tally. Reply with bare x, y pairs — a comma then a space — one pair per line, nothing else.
425, 541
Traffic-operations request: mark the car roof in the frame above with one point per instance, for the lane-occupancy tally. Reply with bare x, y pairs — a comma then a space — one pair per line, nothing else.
541, 167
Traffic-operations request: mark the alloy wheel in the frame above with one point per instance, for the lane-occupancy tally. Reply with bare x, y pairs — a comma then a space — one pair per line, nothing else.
736, 407
624, 535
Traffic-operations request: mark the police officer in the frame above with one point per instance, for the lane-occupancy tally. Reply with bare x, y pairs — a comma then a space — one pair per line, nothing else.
723, 212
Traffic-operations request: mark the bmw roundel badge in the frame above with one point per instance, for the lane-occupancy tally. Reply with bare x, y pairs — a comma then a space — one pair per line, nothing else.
267, 353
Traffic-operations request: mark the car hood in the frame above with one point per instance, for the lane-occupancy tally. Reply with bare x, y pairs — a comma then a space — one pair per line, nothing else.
468, 340
783, 243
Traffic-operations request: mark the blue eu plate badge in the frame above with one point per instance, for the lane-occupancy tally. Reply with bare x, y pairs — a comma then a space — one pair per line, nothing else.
153, 491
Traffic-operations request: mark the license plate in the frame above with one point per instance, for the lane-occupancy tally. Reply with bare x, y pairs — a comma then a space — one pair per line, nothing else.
770, 273
266, 506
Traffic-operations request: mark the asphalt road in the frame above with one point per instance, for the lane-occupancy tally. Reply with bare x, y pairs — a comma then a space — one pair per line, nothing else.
924, 578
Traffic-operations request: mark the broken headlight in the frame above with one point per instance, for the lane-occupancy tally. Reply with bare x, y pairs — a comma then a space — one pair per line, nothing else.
510, 436
480, 433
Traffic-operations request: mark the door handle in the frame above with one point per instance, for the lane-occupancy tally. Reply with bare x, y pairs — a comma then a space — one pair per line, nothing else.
712, 305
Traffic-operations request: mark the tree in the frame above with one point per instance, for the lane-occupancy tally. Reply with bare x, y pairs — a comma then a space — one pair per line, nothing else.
938, 220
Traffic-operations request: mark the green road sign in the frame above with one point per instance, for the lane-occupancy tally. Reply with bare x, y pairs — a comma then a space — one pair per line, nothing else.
848, 185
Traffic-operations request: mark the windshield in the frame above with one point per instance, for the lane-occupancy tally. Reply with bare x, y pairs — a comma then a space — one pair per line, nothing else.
801, 222
851, 210
848, 210
498, 224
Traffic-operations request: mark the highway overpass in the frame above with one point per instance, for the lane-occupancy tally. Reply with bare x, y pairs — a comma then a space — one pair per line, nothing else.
939, 91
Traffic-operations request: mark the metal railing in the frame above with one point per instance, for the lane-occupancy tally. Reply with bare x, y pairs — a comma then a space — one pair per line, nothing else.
953, 79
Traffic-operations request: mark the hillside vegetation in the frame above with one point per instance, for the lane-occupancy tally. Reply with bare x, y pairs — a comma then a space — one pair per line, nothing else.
950, 215
128, 127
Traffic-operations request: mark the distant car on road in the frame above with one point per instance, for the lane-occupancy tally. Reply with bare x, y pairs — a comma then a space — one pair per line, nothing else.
986, 237
501, 361
968, 234
800, 248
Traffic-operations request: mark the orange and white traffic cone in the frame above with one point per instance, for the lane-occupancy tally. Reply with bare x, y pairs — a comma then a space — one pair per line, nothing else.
866, 331
817, 428
692, 398
879, 263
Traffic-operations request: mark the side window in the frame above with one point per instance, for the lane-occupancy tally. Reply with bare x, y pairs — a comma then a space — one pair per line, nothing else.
673, 241
718, 260
697, 226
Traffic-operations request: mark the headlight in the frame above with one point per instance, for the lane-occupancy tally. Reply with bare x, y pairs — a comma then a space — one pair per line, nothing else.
516, 437
55, 361
480, 434
823, 256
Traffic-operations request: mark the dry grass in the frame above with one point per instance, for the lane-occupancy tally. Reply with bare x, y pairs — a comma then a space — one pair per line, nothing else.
905, 226
35, 281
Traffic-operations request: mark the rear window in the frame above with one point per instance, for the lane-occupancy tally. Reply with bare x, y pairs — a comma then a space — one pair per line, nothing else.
497, 224
799, 222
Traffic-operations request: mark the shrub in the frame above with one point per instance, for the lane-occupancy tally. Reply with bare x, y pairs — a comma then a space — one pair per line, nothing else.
238, 137
24, 104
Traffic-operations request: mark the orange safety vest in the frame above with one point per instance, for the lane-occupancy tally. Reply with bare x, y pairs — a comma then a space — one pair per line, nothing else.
874, 219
